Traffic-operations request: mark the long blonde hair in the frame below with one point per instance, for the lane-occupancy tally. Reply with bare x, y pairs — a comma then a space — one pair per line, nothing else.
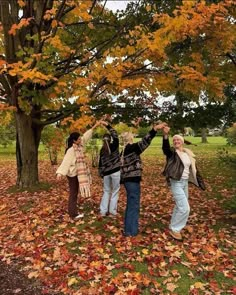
106, 144
127, 137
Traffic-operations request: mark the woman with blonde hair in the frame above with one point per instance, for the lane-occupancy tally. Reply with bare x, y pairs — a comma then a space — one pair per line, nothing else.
131, 174
109, 170
180, 169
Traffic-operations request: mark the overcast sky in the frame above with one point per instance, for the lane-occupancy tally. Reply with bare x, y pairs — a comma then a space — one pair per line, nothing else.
117, 4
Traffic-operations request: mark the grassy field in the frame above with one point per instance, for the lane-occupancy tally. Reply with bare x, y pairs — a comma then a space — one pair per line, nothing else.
214, 143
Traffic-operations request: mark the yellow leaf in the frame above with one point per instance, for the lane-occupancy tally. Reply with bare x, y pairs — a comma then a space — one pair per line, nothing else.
21, 3
29, 238
127, 274
199, 285
2, 207
56, 253
145, 251
61, 83
54, 23
164, 273
82, 100
72, 281
33, 274
171, 287
106, 256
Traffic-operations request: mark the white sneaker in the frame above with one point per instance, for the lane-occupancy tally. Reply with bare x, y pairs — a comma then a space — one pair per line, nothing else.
79, 216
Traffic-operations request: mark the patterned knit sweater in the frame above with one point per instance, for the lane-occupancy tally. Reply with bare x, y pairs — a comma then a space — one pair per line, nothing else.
131, 169
110, 163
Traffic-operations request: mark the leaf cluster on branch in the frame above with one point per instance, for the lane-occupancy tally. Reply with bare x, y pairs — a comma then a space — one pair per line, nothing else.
58, 57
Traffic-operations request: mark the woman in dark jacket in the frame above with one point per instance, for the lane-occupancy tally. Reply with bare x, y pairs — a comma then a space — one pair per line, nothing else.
109, 170
131, 171
180, 169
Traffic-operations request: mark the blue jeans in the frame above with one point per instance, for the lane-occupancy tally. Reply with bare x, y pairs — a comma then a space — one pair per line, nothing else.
181, 210
111, 187
132, 208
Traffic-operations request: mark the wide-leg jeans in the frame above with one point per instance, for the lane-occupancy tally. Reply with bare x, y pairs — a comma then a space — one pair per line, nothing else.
111, 187
181, 210
132, 208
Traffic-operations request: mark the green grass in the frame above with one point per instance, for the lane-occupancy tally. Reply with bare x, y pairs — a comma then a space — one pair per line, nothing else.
9, 152
215, 143
212, 147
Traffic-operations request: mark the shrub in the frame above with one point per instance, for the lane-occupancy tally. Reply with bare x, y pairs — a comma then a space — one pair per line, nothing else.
231, 135
52, 137
225, 156
7, 134
142, 131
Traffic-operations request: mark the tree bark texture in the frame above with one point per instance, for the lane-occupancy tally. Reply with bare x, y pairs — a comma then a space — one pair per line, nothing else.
27, 133
27, 143
204, 135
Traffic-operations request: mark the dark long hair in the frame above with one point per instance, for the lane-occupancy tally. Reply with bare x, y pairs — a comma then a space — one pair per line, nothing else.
70, 140
105, 150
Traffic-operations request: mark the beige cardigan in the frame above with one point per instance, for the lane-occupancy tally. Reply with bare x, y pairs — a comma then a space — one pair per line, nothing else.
68, 166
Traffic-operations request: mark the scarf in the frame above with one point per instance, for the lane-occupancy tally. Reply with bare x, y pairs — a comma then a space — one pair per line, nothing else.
83, 173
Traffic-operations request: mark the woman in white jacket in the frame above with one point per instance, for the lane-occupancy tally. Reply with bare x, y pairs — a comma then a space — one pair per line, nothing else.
75, 168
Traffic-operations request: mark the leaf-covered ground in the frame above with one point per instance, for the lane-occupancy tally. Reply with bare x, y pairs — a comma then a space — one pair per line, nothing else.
90, 256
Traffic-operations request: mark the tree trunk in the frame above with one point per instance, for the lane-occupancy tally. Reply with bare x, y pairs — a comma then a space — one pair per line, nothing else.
27, 143
204, 135
52, 156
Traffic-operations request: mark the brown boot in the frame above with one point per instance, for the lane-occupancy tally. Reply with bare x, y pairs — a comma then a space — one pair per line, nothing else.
176, 235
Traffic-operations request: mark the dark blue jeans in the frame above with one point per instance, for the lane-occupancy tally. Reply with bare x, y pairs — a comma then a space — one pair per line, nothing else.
132, 208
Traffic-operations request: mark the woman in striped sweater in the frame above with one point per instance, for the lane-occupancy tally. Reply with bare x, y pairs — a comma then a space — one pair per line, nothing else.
131, 171
109, 170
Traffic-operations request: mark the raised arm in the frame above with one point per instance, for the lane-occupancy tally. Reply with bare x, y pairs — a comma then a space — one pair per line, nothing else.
113, 133
165, 143
88, 134
143, 144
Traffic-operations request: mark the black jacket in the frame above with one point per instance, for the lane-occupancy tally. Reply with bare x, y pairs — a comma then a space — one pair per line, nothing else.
131, 169
109, 164
174, 166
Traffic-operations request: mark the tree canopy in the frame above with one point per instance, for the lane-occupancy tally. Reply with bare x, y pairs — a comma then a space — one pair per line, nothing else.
58, 57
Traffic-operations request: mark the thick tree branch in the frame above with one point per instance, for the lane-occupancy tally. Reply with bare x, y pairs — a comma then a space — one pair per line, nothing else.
232, 57
6, 87
54, 116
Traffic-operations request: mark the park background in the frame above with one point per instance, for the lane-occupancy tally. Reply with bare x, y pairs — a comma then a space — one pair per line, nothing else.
65, 64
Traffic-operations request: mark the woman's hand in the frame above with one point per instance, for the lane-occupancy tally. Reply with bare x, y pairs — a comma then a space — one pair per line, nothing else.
59, 177
166, 131
104, 123
160, 126
96, 124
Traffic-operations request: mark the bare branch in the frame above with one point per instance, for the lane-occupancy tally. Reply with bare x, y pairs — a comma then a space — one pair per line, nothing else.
232, 57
